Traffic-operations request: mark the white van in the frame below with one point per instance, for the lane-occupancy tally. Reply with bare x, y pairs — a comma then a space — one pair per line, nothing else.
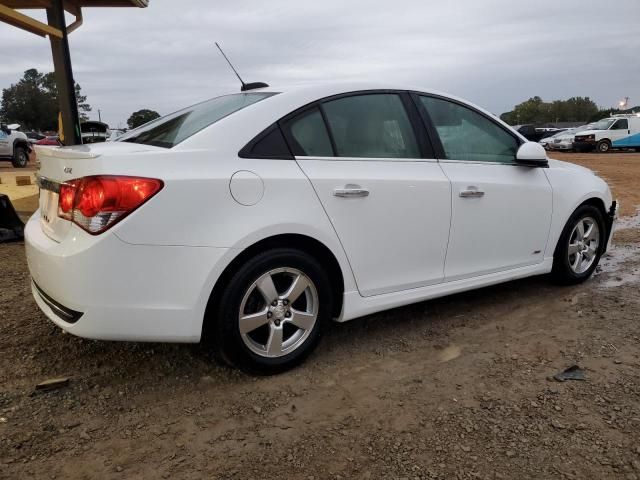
617, 131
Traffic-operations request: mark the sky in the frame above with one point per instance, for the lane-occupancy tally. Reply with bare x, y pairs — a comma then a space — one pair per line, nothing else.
495, 53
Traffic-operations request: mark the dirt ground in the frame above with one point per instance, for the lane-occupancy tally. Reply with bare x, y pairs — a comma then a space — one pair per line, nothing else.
457, 388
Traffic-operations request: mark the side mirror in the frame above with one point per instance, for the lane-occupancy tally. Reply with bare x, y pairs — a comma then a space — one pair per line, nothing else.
532, 154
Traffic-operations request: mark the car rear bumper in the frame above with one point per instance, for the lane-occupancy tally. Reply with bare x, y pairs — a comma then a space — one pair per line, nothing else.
103, 288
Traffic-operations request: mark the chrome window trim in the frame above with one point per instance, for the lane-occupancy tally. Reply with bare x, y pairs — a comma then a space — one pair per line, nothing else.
370, 159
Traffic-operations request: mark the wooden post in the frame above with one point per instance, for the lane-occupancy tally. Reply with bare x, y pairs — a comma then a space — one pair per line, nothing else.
64, 75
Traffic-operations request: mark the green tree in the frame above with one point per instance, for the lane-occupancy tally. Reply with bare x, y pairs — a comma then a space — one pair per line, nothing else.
141, 117
33, 101
534, 110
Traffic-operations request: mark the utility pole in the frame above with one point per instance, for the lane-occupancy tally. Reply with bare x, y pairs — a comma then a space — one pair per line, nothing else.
64, 75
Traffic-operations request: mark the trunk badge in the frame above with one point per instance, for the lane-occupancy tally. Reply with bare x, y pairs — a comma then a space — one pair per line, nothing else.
68, 169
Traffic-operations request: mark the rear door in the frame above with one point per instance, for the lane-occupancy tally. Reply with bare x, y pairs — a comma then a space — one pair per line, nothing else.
501, 211
386, 196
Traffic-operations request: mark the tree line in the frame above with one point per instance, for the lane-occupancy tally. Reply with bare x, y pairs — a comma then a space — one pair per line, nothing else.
32, 102
574, 109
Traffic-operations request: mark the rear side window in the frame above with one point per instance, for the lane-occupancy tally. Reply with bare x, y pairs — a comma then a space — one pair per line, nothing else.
172, 129
371, 126
467, 135
308, 135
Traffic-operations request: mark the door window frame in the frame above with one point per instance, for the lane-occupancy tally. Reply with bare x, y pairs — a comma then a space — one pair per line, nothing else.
432, 132
425, 147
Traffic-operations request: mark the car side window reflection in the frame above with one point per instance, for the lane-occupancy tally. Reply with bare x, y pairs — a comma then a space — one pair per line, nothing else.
308, 135
622, 124
468, 135
371, 126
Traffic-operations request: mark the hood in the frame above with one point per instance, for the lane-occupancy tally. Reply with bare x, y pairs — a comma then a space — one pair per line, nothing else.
588, 132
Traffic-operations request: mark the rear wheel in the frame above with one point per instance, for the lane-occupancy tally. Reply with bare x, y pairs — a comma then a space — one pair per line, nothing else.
20, 157
580, 246
271, 314
603, 146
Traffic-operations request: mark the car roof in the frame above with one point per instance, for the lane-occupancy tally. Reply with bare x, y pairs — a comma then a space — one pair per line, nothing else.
289, 98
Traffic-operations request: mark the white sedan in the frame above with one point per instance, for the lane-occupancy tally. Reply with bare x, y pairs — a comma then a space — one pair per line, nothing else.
252, 219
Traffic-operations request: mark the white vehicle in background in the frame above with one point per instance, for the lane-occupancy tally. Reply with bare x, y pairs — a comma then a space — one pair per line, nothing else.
546, 141
14, 145
564, 140
617, 131
114, 134
253, 219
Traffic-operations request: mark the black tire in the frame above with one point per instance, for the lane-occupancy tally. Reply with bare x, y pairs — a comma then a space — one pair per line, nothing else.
20, 157
603, 146
562, 271
225, 335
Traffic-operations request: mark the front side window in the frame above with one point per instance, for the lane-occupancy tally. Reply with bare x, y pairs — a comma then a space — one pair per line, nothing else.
172, 129
602, 124
467, 135
372, 126
622, 124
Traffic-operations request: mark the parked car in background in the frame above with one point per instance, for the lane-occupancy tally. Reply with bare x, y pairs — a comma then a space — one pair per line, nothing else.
617, 131
252, 219
14, 145
115, 133
50, 140
564, 140
547, 140
94, 132
33, 137
535, 134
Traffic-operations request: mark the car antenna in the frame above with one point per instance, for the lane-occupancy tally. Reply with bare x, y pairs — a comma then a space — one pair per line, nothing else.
245, 86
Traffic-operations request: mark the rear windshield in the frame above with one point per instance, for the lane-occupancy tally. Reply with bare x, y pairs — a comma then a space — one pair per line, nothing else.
172, 129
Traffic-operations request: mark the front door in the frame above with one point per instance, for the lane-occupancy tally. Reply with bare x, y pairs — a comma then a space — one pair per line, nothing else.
501, 211
388, 203
5, 147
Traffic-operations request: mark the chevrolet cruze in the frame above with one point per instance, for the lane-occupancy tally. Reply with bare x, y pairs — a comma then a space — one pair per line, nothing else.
253, 219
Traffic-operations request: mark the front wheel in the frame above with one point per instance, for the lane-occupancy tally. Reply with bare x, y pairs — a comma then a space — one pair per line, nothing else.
272, 312
580, 246
603, 146
20, 158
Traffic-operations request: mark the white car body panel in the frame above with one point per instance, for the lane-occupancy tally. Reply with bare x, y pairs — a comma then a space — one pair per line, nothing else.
407, 239
505, 228
150, 276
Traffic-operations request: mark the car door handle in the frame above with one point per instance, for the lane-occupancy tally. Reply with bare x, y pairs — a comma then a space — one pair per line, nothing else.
351, 191
471, 192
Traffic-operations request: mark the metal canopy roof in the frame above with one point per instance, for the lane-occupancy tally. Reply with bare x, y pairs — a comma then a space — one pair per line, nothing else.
76, 3
10, 15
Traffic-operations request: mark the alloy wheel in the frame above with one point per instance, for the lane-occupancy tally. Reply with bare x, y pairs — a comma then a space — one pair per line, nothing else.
584, 242
278, 312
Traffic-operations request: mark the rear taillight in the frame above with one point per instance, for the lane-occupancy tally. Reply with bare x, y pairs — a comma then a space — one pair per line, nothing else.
96, 203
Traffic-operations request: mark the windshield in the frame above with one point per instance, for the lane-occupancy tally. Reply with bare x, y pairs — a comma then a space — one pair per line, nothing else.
172, 129
603, 124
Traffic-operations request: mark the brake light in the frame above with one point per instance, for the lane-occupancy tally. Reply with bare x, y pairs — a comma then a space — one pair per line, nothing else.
96, 203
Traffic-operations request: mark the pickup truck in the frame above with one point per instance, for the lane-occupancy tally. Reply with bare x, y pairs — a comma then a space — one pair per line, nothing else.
14, 145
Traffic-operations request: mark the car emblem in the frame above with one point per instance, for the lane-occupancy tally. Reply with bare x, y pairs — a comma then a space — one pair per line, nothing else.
68, 169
